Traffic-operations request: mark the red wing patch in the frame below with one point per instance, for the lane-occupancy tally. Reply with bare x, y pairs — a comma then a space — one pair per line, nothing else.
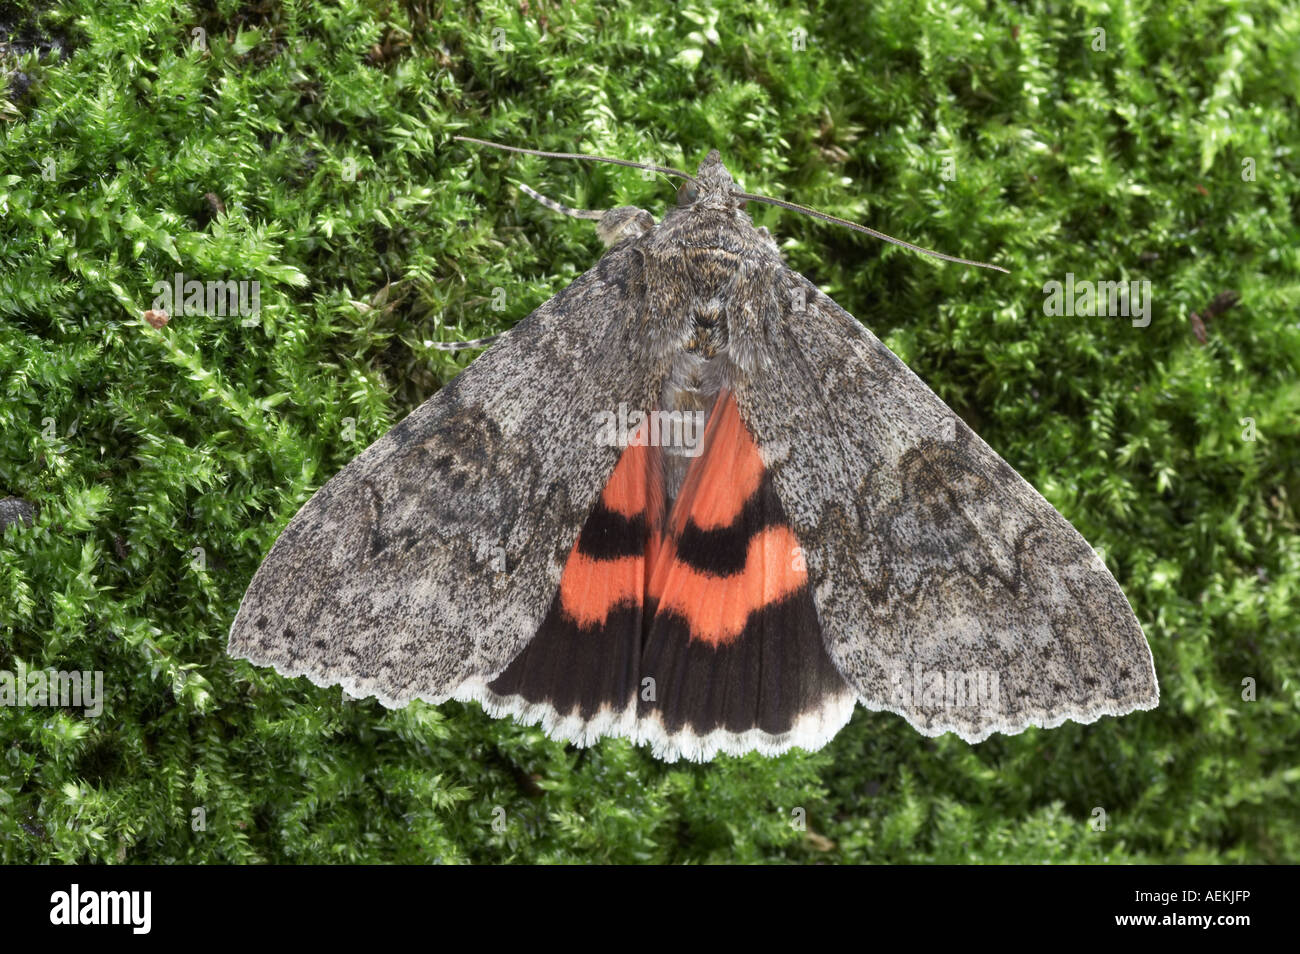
713, 611
728, 553
716, 608
609, 564
586, 654
724, 477
734, 643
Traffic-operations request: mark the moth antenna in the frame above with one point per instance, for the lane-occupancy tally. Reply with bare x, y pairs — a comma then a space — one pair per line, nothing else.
781, 203
466, 345
557, 207
575, 155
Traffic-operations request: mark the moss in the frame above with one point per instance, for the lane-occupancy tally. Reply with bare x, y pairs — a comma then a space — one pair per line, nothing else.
306, 146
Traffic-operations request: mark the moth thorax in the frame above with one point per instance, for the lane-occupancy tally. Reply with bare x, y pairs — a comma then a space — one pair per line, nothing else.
708, 332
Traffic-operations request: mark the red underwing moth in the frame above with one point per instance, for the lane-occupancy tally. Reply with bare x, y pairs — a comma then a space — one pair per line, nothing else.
693, 502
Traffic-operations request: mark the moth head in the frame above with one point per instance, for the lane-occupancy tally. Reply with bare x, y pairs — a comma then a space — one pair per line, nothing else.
713, 187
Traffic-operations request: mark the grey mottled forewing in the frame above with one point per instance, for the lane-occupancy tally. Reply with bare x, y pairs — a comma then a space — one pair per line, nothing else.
431, 558
928, 554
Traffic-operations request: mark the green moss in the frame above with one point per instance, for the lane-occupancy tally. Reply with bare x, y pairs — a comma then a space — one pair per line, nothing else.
164, 462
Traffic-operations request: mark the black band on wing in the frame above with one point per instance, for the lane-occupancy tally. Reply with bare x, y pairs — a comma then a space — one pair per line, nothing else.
608, 535
776, 670
723, 552
575, 669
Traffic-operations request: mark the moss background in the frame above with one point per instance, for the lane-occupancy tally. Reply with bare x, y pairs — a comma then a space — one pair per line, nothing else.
131, 152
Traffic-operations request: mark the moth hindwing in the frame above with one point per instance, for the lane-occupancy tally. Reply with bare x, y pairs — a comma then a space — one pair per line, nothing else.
693, 502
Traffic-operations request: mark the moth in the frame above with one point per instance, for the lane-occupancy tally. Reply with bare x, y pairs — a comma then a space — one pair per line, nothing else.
693, 502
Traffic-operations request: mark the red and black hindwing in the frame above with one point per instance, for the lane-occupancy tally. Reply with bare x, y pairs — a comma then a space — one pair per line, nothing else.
695, 621
586, 655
